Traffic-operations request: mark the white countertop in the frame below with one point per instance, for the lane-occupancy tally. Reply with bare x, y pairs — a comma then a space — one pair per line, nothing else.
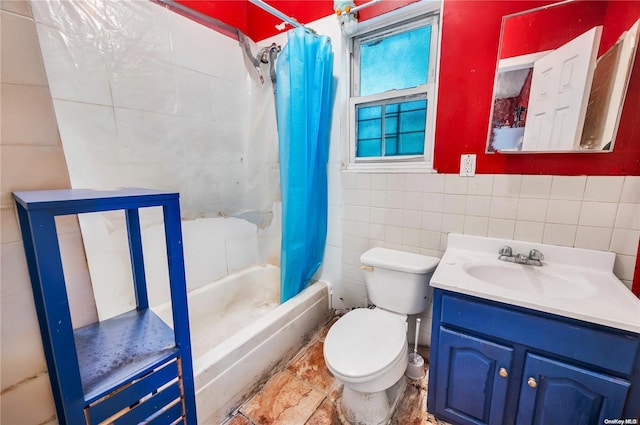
572, 282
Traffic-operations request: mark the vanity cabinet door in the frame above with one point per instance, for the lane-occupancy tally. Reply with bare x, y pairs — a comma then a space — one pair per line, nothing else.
472, 377
558, 393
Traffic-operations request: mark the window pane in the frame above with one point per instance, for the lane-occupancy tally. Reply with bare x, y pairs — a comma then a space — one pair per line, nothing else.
406, 127
411, 144
397, 62
369, 147
391, 145
412, 116
369, 131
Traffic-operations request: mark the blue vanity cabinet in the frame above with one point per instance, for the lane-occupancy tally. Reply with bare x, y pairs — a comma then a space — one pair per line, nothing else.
493, 363
128, 369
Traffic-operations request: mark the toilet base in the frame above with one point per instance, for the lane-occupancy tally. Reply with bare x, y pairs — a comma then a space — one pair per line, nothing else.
356, 408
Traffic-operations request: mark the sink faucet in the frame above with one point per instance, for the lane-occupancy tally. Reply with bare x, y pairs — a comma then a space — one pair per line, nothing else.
534, 258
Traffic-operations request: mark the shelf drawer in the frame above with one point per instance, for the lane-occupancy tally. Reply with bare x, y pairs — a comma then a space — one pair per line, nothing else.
157, 394
553, 334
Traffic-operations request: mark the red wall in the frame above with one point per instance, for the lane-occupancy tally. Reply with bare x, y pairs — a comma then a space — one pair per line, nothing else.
380, 8
522, 35
470, 38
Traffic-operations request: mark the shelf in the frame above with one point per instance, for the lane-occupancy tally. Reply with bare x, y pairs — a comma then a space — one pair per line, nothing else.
73, 201
121, 349
132, 365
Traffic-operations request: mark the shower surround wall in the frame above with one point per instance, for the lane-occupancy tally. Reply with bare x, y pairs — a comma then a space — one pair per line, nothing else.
145, 97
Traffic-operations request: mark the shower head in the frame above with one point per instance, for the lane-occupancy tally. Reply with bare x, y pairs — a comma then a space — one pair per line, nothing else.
265, 53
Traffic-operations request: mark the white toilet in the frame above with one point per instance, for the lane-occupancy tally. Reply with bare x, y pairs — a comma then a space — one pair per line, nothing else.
366, 349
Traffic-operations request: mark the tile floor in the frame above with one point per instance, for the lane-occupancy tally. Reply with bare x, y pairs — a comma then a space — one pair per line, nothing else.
305, 393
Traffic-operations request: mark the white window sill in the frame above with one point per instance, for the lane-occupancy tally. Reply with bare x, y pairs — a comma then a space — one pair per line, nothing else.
390, 167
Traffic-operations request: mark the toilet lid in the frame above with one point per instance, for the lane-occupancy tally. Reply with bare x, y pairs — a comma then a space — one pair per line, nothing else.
364, 341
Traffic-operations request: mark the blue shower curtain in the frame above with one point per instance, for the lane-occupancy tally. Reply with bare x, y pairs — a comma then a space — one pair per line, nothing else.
304, 76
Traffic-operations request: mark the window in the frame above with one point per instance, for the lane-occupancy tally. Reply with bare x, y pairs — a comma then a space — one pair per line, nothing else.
393, 70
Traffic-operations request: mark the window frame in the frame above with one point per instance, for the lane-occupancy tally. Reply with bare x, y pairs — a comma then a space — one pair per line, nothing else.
404, 19
384, 102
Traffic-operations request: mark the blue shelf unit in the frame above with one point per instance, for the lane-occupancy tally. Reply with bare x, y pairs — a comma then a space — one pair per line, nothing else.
131, 368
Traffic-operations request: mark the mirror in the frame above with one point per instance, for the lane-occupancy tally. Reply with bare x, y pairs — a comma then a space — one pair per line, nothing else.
561, 78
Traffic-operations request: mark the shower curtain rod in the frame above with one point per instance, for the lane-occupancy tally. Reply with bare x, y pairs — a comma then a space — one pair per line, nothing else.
288, 19
232, 31
364, 6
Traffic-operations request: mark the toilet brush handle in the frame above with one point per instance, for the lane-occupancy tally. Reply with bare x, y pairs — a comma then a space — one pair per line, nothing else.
415, 346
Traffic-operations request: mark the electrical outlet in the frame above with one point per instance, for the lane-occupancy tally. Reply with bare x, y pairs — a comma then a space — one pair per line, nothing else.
468, 165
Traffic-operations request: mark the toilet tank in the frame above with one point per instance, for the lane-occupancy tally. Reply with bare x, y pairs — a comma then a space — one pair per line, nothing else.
398, 281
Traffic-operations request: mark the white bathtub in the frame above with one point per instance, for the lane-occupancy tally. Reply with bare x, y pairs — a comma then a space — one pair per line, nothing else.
240, 333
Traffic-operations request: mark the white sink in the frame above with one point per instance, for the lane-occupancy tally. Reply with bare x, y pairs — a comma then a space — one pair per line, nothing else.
533, 279
572, 282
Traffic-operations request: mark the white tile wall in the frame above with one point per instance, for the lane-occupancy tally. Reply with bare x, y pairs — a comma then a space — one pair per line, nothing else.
501, 228
536, 186
603, 188
32, 159
19, 7
478, 226
601, 214
19, 63
83, 77
561, 211
24, 105
586, 211
559, 234
481, 184
628, 216
568, 187
503, 207
625, 241
530, 231
532, 209
598, 238
631, 191
506, 185
39, 408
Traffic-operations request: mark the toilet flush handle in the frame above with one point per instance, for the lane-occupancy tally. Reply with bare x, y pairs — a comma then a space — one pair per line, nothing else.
367, 268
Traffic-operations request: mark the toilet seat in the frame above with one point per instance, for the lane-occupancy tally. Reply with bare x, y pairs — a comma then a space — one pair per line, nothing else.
364, 344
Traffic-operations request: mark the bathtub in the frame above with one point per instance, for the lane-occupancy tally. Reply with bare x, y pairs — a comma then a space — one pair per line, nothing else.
240, 334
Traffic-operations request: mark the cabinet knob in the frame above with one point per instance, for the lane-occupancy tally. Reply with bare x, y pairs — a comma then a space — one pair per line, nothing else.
503, 372
532, 382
